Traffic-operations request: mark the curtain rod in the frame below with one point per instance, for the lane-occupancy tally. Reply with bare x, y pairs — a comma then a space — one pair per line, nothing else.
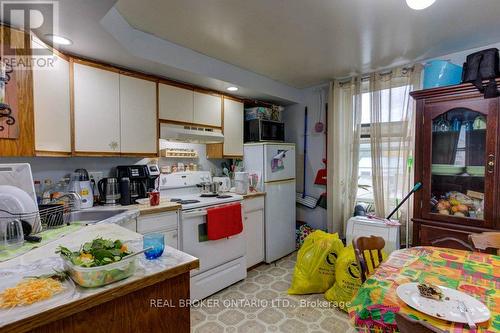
366, 76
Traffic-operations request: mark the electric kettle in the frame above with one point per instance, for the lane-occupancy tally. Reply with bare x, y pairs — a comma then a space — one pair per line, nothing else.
109, 191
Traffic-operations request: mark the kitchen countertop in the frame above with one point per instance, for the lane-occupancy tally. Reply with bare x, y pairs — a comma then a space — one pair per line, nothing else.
172, 263
253, 195
164, 206
137, 210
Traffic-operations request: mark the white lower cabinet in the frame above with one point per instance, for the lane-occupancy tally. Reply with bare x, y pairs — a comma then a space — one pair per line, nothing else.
166, 223
253, 227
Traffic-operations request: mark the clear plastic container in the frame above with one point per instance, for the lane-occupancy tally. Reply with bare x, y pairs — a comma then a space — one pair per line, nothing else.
91, 277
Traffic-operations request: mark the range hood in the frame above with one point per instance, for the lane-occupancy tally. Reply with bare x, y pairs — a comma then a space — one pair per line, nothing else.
190, 133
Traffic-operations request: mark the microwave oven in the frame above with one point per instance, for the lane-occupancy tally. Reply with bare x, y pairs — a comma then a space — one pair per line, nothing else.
264, 130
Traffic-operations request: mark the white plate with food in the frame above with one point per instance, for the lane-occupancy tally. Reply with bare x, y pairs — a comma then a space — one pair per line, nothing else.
442, 302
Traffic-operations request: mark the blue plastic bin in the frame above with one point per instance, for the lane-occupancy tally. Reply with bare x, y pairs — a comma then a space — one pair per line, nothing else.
441, 73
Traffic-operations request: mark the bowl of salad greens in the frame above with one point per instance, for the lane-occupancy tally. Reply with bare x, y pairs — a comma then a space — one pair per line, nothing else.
98, 262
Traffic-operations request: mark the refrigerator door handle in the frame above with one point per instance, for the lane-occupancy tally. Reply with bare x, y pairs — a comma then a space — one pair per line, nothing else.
280, 181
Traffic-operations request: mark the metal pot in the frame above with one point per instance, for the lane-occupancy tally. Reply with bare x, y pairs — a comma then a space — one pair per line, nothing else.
209, 187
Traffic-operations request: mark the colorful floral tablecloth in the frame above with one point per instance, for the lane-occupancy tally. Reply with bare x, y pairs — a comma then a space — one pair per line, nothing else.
476, 274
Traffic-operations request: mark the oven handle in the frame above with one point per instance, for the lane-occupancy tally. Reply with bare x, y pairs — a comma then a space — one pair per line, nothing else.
194, 214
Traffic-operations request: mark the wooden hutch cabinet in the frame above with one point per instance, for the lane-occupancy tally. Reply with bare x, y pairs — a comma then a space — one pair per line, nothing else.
457, 144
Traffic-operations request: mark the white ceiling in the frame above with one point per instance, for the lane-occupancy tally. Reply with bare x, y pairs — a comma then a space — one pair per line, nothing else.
95, 29
271, 49
307, 42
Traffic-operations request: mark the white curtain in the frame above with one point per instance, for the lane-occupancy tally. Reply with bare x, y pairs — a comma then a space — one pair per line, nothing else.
392, 120
377, 111
344, 114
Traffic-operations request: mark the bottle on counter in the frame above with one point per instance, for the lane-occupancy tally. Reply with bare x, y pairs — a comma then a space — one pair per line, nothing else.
38, 191
59, 190
47, 191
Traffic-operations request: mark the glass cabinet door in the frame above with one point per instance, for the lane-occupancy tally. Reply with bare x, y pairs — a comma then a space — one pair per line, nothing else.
461, 165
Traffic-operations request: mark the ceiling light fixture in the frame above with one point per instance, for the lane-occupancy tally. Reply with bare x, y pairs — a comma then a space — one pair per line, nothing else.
419, 4
59, 40
232, 88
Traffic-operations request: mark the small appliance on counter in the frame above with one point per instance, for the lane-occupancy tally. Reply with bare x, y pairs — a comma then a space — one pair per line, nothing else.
241, 182
143, 179
225, 183
257, 130
86, 192
109, 191
125, 194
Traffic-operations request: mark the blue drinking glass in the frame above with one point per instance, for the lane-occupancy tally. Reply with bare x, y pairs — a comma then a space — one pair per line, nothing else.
156, 241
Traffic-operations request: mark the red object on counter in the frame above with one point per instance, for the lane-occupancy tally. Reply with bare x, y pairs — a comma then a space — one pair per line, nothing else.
225, 221
154, 198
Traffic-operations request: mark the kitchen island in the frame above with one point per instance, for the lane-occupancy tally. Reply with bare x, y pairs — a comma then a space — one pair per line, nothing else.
152, 300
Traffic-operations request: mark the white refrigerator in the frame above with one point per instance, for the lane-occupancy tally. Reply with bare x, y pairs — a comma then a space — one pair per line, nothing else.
275, 162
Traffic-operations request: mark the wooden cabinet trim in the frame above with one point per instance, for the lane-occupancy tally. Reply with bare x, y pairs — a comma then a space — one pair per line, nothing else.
46, 153
24, 145
72, 102
207, 92
450, 226
175, 122
95, 64
125, 154
157, 119
444, 92
51, 48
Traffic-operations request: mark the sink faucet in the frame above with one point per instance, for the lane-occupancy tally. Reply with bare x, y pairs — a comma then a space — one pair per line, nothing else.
75, 200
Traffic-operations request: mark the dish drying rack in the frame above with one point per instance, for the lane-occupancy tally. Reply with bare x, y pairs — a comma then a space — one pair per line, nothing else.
49, 216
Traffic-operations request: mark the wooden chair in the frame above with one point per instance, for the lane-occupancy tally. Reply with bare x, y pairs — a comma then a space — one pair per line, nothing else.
409, 325
485, 241
361, 244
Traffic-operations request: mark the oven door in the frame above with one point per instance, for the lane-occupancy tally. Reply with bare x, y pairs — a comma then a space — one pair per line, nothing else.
210, 253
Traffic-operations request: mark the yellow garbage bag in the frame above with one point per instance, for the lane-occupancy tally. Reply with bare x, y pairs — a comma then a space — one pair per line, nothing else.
315, 267
347, 278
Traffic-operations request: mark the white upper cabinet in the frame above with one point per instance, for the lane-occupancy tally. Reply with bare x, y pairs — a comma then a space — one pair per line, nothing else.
138, 115
51, 96
233, 128
175, 103
207, 109
96, 110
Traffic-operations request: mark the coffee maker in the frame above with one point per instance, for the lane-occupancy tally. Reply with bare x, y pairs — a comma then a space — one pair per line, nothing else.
141, 180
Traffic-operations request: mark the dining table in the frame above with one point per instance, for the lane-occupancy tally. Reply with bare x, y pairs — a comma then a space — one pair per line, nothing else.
477, 274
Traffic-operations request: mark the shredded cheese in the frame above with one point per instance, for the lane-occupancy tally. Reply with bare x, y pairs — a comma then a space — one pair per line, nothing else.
29, 291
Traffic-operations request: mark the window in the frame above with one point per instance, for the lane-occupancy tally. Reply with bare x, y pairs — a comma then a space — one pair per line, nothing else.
392, 104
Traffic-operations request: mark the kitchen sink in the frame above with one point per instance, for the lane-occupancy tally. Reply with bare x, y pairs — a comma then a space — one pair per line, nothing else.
92, 216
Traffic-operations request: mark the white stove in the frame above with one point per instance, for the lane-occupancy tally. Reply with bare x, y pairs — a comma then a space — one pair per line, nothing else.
192, 201
223, 261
